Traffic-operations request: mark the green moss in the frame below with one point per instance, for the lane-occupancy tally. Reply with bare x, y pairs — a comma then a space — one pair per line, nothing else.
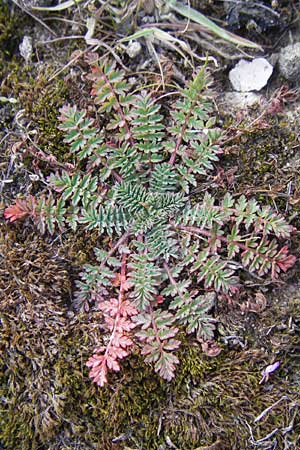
40, 101
38, 98
11, 21
267, 165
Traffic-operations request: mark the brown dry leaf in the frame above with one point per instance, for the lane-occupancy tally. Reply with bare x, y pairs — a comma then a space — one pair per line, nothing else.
294, 200
210, 348
261, 300
256, 306
17, 146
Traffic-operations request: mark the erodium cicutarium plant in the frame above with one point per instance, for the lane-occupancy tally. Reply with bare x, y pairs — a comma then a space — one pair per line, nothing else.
172, 252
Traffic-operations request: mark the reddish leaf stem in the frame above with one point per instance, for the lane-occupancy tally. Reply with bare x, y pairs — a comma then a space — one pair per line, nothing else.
244, 247
171, 278
182, 131
180, 139
121, 298
120, 109
115, 248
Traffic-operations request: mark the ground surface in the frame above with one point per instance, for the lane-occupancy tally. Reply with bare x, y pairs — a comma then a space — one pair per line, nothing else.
47, 400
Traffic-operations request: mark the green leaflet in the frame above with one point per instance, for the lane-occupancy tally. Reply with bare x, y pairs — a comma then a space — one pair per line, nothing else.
144, 277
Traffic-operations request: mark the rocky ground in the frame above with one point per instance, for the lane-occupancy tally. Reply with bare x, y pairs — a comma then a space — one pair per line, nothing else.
224, 402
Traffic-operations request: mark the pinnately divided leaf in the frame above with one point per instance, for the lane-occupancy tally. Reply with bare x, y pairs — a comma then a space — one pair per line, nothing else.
157, 334
144, 276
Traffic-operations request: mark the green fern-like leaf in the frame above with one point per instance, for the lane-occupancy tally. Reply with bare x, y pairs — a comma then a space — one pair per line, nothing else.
164, 179
194, 314
104, 218
148, 130
110, 87
145, 277
161, 241
76, 187
80, 132
157, 334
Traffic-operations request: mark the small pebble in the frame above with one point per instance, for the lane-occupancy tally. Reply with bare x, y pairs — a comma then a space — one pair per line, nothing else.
25, 48
133, 49
249, 76
289, 62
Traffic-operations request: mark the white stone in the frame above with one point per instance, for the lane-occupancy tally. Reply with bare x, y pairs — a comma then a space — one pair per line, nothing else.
249, 76
26, 48
133, 49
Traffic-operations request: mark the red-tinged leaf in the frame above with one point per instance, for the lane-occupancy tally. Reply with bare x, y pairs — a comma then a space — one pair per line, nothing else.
142, 335
283, 261
120, 340
99, 376
124, 324
172, 344
153, 357
14, 212
211, 348
165, 366
148, 349
99, 350
118, 352
95, 360
65, 112
127, 285
95, 371
287, 262
112, 363
110, 307
167, 333
110, 322
143, 320
21, 209
127, 309
98, 370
